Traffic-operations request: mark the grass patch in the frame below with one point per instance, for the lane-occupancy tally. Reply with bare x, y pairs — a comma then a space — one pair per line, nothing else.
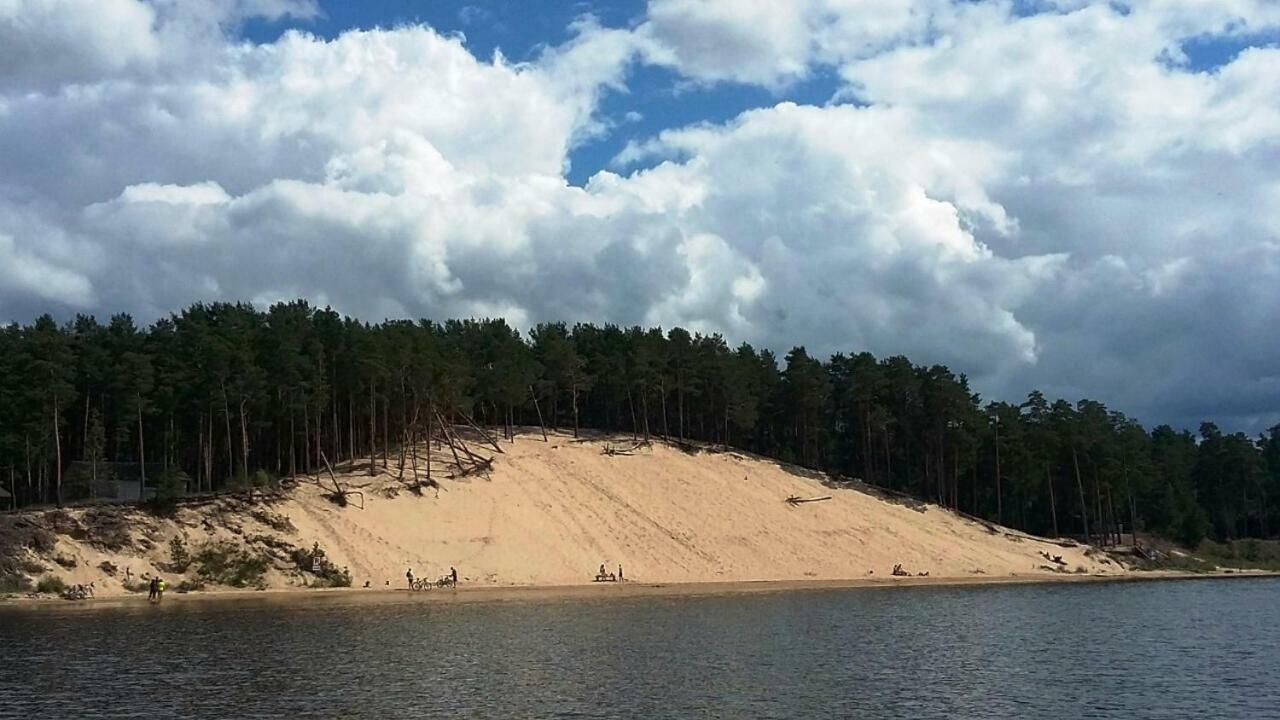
51, 585
1250, 554
1175, 562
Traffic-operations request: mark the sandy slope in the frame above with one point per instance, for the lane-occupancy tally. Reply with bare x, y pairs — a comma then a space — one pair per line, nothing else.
551, 513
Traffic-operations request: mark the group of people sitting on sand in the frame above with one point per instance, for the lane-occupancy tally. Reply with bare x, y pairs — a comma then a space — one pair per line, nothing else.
899, 572
604, 576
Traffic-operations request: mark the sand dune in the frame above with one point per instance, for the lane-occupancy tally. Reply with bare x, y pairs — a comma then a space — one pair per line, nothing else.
551, 513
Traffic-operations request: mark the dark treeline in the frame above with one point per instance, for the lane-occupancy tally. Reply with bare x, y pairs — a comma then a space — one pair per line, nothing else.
222, 396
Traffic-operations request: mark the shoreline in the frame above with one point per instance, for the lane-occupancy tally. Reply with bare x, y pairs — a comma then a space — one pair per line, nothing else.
594, 591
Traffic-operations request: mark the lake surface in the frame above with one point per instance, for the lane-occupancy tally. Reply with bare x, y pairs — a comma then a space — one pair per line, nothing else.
1203, 649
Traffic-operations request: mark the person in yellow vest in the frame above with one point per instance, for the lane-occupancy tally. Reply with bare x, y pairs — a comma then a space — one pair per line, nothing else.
159, 589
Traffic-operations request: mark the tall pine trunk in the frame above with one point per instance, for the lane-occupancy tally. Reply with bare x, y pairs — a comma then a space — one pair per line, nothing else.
866, 446
84, 433
199, 453
208, 452
226, 414
1053, 504
57, 448
1084, 507
666, 431
574, 400
244, 440
373, 429
888, 462
680, 408
999, 489
306, 441
318, 459
644, 408
142, 453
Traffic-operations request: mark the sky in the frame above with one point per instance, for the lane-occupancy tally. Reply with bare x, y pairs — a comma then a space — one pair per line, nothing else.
1071, 195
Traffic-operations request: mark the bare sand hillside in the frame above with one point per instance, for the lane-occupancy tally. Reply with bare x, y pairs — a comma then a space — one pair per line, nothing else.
550, 513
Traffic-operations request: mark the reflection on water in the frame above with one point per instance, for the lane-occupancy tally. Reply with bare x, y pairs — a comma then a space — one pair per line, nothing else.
1206, 649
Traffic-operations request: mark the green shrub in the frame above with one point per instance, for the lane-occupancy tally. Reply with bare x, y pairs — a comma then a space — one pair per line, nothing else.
171, 486
51, 584
327, 574
12, 583
189, 586
179, 556
1251, 553
224, 563
261, 479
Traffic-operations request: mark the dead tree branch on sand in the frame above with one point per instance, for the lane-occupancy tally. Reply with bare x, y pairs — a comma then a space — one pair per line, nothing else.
474, 462
488, 438
794, 500
340, 494
610, 449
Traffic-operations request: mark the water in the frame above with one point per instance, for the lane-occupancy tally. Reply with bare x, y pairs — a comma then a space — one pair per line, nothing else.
1205, 649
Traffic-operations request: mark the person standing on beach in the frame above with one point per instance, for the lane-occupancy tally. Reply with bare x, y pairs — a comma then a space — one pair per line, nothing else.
159, 589
408, 575
453, 573
619, 572
151, 590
